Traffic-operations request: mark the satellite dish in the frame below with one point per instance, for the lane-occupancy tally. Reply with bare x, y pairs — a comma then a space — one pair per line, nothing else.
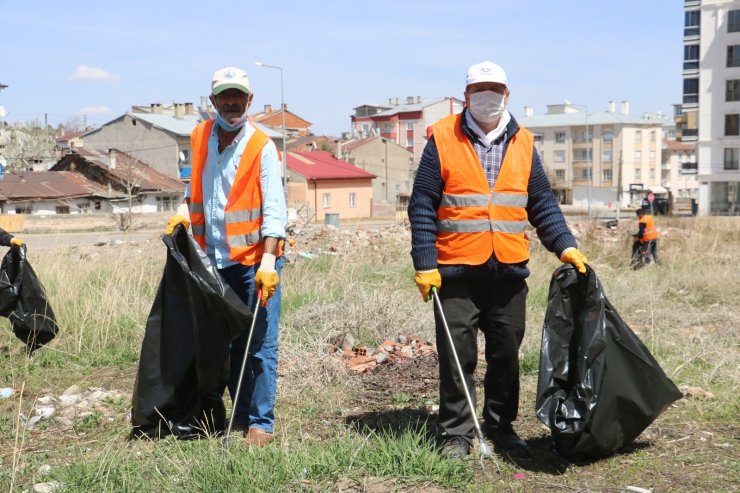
182, 157
3, 112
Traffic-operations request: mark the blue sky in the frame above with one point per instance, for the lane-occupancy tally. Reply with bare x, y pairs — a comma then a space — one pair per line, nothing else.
98, 58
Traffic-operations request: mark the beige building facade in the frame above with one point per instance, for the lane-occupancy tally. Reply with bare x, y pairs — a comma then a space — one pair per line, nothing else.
600, 158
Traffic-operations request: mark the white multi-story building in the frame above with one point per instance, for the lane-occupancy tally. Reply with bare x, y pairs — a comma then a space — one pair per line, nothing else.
618, 151
711, 75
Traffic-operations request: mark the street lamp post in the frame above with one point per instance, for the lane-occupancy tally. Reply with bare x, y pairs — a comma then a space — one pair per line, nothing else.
282, 112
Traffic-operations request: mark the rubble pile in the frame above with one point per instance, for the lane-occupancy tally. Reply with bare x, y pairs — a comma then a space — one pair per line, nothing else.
308, 241
360, 358
73, 405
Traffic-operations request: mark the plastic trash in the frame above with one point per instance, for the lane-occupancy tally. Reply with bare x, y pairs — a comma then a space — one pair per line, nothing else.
184, 363
23, 301
598, 387
6, 392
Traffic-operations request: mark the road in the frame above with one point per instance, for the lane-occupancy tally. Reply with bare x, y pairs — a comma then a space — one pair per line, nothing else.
52, 241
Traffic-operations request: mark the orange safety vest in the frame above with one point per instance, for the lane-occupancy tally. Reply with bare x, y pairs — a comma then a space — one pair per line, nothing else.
474, 222
651, 231
243, 212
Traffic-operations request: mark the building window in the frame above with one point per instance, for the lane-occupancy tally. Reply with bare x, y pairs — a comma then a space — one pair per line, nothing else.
165, 204
184, 156
26, 209
607, 136
732, 124
691, 90
582, 155
559, 156
652, 173
691, 23
732, 90
652, 136
606, 155
98, 205
607, 174
62, 209
638, 156
732, 157
559, 137
387, 128
733, 56
410, 141
352, 199
326, 200
733, 21
638, 174
638, 136
410, 126
586, 173
560, 174
691, 57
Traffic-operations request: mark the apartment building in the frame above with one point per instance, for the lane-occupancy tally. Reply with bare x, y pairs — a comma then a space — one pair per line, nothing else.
590, 156
711, 98
404, 123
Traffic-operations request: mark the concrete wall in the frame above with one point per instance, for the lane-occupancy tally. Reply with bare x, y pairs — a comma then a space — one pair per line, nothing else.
371, 158
143, 141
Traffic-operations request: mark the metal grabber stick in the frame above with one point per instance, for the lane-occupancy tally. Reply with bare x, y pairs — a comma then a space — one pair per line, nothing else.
483, 448
241, 372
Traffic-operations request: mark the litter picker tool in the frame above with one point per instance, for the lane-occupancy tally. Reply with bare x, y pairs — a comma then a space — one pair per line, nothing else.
241, 372
483, 447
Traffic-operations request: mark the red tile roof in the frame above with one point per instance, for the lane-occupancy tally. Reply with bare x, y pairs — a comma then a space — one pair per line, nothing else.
320, 165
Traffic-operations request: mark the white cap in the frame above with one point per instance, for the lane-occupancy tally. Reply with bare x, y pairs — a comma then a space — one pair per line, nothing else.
485, 72
230, 78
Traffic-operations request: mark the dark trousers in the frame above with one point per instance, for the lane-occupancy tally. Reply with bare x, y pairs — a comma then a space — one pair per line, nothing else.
499, 311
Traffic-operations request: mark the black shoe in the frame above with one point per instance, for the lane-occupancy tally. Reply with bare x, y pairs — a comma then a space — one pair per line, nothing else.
505, 438
454, 447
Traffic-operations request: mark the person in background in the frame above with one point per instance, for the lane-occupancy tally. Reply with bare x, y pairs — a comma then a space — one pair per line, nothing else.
236, 205
647, 235
8, 240
479, 184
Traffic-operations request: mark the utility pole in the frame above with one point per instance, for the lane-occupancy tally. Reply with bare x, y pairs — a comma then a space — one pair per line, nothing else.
619, 185
387, 185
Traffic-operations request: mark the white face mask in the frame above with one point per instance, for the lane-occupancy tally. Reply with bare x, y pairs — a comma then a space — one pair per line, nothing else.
487, 106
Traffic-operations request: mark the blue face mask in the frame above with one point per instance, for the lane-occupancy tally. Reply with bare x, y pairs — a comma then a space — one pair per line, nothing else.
231, 127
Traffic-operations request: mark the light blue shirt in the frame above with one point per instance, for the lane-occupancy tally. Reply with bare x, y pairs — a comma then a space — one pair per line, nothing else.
218, 177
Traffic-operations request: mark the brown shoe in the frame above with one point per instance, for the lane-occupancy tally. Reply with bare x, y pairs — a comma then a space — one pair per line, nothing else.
257, 437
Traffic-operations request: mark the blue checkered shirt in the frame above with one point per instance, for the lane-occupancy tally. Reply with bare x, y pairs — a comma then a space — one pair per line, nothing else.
491, 156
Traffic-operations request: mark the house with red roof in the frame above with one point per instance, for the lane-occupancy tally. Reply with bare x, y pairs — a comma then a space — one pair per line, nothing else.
328, 186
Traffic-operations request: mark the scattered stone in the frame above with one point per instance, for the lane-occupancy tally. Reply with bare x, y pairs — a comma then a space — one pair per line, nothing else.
49, 487
44, 470
696, 393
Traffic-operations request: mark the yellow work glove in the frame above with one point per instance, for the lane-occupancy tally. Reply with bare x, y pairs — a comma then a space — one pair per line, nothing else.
182, 216
425, 280
266, 279
576, 258
16, 242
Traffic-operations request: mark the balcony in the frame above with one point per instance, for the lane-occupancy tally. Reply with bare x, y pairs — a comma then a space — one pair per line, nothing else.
689, 168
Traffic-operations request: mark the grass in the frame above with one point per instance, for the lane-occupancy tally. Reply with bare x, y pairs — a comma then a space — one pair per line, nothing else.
685, 311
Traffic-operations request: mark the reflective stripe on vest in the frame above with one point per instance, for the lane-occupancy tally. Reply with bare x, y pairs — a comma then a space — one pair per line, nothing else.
474, 222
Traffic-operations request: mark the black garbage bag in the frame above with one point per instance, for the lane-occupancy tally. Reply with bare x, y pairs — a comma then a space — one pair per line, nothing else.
598, 387
184, 363
23, 301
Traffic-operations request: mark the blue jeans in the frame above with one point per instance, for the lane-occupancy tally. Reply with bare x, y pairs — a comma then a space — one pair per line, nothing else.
256, 406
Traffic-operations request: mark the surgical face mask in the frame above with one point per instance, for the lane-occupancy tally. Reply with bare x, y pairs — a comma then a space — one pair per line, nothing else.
231, 127
487, 106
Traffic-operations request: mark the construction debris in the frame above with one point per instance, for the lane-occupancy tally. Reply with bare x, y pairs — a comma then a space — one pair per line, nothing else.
361, 358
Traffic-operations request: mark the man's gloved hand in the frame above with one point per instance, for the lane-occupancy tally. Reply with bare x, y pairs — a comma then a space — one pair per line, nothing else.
16, 242
182, 216
576, 258
266, 279
425, 280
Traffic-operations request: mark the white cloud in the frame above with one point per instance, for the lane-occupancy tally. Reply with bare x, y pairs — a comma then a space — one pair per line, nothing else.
83, 72
93, 110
